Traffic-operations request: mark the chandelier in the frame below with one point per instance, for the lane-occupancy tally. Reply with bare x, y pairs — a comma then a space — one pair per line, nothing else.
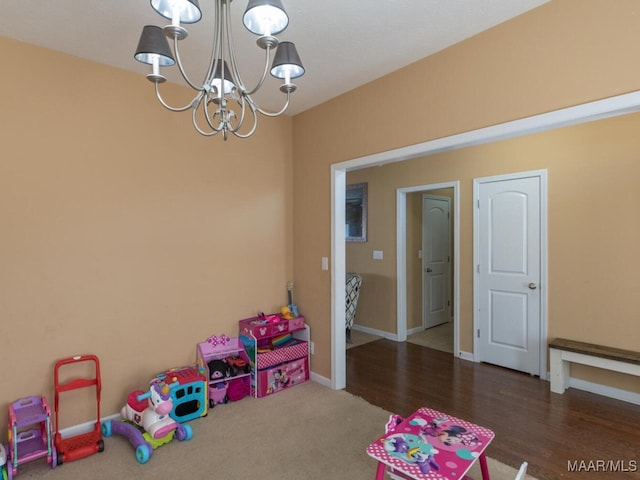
222, 103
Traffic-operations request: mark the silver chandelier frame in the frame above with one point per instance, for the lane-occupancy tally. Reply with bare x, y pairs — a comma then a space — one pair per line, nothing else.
222, 102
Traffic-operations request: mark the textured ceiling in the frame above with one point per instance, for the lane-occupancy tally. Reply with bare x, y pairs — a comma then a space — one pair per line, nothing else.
342, 43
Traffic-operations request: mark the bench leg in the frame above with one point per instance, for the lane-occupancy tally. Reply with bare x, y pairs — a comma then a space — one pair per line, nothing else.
559, 371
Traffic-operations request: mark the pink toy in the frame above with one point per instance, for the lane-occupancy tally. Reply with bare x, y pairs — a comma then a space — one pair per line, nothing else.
150, 424
152, 415
30, 434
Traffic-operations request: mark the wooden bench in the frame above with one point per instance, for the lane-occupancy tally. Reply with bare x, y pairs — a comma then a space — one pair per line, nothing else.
562, 352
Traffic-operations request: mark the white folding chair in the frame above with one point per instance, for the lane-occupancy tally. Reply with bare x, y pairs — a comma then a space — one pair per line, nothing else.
522, 472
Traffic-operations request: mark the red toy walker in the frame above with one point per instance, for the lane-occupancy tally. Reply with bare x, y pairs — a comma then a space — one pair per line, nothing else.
84, 444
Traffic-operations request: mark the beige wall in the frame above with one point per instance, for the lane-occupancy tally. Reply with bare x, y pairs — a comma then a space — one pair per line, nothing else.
564, 53
124, 232
127, 235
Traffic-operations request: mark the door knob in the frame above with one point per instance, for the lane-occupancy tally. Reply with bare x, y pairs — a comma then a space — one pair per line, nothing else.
428, 270
533, 286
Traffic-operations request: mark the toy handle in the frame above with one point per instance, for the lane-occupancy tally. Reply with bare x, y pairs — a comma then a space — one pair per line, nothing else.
147, 394
143, 396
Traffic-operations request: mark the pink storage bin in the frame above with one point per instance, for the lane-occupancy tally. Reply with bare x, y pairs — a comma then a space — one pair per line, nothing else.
281, 377
296, 323
282, 354
260, 328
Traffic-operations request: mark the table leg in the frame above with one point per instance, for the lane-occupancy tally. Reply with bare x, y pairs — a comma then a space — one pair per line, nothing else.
483, 467
380, 471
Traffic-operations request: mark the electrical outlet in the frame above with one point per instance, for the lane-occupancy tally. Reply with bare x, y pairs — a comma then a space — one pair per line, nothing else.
311, 349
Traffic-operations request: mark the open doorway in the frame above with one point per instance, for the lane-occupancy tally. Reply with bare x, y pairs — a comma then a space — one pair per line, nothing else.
410, 268
599, 109
430, 269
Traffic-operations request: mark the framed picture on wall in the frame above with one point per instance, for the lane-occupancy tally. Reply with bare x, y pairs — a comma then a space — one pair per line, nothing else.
356, 213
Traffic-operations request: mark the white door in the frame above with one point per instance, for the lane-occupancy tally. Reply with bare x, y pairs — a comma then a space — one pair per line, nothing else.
509, 265
436, 260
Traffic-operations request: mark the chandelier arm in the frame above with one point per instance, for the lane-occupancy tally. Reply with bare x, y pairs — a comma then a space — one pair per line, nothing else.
243, 110
264, 72
193, 102
216, 47
200, 130
253, 128
282, 110
235, 72
176, 52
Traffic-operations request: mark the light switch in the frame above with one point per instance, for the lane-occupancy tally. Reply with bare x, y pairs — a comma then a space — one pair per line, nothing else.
377, 255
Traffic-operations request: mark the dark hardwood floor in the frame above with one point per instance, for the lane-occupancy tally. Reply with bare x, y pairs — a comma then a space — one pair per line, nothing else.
561, 436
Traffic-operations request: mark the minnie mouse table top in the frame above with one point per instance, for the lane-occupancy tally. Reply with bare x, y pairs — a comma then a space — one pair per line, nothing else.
431, 445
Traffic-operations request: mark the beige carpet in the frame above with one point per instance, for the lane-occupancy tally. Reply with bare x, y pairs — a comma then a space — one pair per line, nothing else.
307, 432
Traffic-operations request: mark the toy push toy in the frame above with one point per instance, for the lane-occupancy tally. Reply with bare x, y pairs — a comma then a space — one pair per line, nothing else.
84, 444
30, 434
148, 424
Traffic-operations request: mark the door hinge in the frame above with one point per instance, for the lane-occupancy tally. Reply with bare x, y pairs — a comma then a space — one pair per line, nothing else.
478, 268
478, 203
448, 303
478, 333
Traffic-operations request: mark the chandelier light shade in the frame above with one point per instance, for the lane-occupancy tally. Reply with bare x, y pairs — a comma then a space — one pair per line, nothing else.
265, 17
222, 103
154, 49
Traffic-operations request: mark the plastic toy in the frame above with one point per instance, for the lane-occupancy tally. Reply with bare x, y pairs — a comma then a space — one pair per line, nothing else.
148, 424
218, 394
237, 365
189, 397
3, 462
30, 434
84, 444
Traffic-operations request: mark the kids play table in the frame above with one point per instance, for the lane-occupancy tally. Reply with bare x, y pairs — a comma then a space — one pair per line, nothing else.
430, 445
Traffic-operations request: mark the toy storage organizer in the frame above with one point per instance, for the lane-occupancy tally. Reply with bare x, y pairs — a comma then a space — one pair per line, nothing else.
218, 386
279, 352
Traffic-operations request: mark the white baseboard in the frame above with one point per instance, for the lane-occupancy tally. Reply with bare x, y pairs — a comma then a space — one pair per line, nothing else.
86, 427
611, 392
324, 381
374, 331
466, 356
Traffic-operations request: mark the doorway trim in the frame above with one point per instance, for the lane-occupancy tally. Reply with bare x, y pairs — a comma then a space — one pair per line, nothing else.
583, 113
401, 257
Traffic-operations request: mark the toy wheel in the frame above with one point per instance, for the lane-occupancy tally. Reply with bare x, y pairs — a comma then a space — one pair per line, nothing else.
184, 432
142, 453
54, 457
106, 429
100, 445
59, 458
